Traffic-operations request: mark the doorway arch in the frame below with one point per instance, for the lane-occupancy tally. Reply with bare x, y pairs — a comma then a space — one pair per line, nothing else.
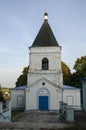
43, 99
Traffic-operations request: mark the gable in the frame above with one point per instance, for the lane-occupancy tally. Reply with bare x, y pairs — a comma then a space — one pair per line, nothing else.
43, 82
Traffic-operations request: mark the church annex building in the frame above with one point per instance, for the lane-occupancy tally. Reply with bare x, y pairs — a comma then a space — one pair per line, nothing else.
45, 87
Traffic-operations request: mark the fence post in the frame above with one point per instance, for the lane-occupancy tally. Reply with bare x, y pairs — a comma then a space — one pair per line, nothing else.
7, 104
60, 105
69, 114
1, 105
84, 92
10, 105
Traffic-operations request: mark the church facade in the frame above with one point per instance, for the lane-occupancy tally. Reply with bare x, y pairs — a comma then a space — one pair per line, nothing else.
44, 88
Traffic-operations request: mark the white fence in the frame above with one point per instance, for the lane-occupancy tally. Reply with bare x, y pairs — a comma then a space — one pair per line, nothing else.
5, 114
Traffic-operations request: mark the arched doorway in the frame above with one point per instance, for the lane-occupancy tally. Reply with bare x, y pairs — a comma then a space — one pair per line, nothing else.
43, 99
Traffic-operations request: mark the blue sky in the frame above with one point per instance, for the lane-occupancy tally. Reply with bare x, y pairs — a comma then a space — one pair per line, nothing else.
20, 21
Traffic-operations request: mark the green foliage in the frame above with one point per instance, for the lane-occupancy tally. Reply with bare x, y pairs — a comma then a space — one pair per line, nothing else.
5, 92
72, 79
80, 66
25, 70
80, 71
65, 68
22, 80
1, 96
75, 80
66, 73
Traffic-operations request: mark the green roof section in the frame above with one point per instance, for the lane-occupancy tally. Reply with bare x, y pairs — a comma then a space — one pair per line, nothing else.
45, 36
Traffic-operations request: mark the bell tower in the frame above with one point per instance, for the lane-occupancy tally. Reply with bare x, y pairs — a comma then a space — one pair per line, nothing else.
45, 56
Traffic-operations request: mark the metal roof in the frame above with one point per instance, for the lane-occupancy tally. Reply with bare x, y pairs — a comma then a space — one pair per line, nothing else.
45, 37
64, 87
70, 87
20, 88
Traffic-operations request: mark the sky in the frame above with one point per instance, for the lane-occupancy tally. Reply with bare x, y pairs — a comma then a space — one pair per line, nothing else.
20, 21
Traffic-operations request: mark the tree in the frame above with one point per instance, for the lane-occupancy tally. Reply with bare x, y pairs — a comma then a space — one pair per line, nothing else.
80, 71
66, 73
80, 66
25, 70
75, 80
1, 96
68, 78
22, 80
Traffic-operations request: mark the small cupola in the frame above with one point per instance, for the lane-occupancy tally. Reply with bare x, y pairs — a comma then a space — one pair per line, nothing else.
45, 16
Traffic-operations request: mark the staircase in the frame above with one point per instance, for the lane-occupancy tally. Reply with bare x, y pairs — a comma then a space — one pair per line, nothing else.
35, 120
38, 117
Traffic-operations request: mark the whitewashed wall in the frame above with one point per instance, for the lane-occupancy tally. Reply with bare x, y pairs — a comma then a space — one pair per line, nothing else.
32, 101
15, 95
54, 74
72, 97
38, 53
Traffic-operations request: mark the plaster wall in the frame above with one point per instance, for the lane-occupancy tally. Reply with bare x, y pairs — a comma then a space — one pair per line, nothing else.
53, 54
14, 98
74, 95
53, 77
32, 96
54, 73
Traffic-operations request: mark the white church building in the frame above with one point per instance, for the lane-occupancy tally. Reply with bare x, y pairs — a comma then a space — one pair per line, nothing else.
45, 87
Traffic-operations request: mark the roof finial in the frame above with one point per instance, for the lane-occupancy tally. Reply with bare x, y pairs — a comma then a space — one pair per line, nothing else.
45, 16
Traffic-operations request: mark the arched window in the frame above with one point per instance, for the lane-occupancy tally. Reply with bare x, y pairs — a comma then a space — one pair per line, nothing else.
45, 63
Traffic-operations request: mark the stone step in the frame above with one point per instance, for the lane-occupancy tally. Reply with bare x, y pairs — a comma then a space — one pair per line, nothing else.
42, 112
36, 117
32, 126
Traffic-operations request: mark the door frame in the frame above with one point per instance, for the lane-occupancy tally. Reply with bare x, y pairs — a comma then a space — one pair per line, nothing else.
43, 101
67, 99
43, 92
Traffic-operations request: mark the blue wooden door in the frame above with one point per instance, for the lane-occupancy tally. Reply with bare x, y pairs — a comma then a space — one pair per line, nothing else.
43, 102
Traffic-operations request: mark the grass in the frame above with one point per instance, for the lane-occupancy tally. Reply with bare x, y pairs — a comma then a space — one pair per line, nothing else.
15, 112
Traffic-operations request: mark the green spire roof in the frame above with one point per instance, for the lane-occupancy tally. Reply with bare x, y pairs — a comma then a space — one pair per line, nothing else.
45, 36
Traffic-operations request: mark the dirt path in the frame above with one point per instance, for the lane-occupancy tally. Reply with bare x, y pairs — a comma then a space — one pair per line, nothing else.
80, 118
